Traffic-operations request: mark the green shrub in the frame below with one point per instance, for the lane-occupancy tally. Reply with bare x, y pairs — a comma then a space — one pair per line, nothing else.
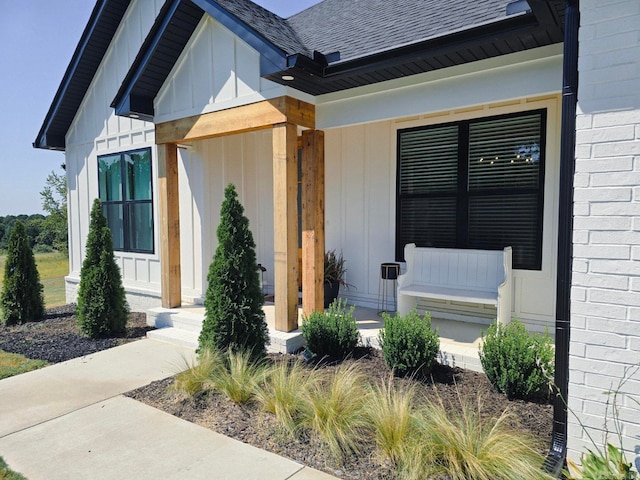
333, 333
21, 298
517, 363
234, 317
102, 309
409, 345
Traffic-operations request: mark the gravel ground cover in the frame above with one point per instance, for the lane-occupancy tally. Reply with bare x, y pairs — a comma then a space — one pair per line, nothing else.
249, 424
56, 338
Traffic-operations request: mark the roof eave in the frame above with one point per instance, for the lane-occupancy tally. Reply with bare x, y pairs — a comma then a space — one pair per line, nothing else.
55, 141
314, 78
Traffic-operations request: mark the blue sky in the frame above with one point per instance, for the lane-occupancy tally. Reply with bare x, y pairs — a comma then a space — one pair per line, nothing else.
37, 39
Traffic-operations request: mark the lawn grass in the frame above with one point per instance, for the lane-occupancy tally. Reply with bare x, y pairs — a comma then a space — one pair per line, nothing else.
52, 268
7, 474
14, 364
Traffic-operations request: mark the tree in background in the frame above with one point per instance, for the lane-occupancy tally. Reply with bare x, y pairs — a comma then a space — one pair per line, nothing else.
234, 316
21, 297
102, 309
54, 202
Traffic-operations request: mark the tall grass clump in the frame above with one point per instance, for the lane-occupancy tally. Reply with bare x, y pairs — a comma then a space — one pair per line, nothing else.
334, 408
281, 392
333, 333
240, 376
462, 445
197, 378
390, 412
409, 345
517, 363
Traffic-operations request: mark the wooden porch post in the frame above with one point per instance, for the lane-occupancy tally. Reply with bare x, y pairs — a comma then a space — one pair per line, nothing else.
312, 221
285, 213
169, 225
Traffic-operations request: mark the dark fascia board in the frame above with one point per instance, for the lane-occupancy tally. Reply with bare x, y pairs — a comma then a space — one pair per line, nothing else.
125, 102
56, 141
446, 43
313, 76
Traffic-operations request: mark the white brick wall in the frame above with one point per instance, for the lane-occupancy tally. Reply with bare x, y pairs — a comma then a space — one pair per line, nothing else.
605, 295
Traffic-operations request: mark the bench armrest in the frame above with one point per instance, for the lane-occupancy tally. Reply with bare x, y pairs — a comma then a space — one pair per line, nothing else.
505, 289
407, 277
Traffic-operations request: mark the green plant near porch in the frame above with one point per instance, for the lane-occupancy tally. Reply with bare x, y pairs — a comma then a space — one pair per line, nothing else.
21, 298
102, 309
234, 318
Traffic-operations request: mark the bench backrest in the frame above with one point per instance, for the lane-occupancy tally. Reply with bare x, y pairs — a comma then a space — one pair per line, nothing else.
456, 268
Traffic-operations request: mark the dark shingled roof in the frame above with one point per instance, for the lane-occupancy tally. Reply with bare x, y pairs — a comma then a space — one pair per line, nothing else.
357, 28
272, 27
333, 45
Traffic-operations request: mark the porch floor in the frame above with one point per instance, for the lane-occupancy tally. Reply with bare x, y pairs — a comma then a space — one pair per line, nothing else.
459, 341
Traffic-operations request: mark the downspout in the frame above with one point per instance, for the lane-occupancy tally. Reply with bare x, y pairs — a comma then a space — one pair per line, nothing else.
558, 450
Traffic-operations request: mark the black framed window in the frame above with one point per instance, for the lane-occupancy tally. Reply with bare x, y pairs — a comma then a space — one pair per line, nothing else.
127, 199
474, 184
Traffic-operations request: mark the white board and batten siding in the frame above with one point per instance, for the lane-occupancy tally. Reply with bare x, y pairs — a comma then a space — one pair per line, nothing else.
361, 207
605, 293
95, 131
205, 170
217, 70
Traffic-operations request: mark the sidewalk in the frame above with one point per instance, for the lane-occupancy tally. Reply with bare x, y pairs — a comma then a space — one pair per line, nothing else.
69, 421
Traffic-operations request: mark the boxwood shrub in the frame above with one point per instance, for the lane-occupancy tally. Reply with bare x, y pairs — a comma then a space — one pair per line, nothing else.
518, 363
332, 333
409, 345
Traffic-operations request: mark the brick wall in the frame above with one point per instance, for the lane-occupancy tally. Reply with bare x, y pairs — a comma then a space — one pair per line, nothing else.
605, 295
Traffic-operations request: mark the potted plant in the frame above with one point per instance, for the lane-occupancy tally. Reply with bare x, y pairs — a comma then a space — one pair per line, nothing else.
334, 274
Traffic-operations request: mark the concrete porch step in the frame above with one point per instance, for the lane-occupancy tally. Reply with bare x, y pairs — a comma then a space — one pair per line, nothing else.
182, 326
175, 336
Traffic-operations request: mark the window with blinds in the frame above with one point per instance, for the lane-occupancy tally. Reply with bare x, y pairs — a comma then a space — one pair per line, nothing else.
474, 184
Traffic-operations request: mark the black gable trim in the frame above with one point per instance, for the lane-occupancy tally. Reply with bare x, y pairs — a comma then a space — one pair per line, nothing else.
103, 23
163, 45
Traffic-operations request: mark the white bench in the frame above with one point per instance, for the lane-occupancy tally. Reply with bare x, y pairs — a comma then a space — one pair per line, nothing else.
472, 276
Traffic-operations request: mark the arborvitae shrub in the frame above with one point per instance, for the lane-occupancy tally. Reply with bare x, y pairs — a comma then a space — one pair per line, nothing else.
409, 345
517, 363
333, 333
21, 298
102, 309
234, 317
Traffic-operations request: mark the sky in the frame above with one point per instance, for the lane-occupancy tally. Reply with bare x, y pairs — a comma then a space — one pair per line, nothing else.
37, 40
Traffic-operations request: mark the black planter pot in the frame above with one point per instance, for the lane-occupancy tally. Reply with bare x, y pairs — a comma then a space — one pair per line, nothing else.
330, 293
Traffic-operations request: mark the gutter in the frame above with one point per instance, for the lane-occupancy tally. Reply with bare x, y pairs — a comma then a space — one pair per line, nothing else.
556, 457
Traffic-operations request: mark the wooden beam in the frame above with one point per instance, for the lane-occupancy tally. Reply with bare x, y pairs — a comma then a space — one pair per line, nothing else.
285, 213
312, 221
241, 119
169, 225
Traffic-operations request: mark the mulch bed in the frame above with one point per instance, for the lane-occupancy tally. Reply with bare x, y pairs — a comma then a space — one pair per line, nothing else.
56, 339
249, 424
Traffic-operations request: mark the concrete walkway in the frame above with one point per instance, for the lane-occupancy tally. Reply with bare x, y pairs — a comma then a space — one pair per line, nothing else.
70, 421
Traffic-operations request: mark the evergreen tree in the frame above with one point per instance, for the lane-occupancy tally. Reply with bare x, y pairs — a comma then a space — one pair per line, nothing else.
234, 316
102, 309
21, 298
